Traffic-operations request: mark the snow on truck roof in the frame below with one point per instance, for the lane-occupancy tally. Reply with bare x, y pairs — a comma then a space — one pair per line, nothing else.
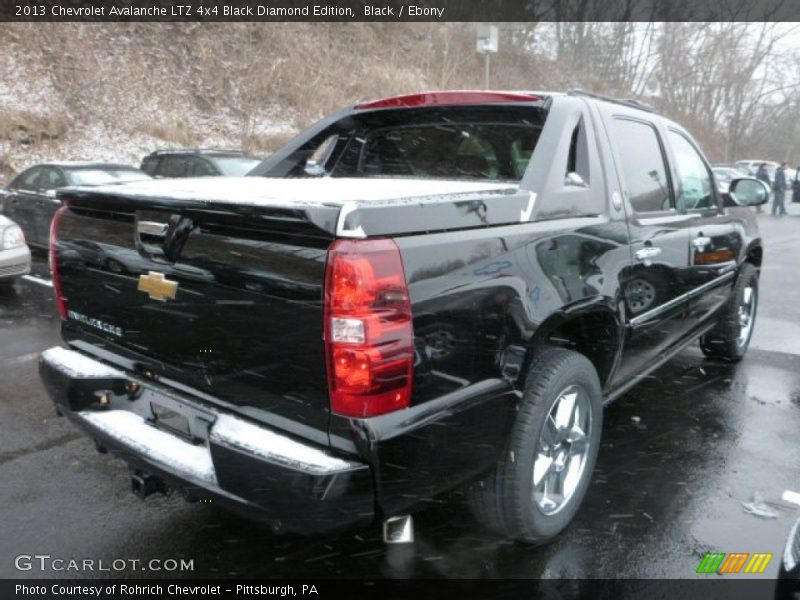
264, 191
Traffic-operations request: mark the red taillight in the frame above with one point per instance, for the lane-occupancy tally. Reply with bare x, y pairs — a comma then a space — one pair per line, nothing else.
368, 331
61, 304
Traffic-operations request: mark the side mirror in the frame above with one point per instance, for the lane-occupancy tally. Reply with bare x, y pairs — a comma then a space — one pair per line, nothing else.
313, 168
747, 191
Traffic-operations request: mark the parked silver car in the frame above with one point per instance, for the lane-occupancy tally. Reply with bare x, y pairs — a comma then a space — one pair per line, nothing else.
15, 257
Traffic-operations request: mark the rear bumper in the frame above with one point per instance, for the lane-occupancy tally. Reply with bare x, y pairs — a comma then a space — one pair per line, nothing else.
290, 485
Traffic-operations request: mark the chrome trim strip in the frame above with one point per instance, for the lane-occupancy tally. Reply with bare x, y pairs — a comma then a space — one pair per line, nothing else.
152, 228
341, 230
644, 317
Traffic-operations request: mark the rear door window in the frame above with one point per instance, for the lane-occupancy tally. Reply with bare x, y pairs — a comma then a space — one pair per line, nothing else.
643, 165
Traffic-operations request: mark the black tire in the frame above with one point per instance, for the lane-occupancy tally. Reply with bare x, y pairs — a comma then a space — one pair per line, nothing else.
724, 342
504, 501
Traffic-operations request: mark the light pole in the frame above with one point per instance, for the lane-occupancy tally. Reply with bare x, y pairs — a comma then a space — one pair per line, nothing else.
487, 45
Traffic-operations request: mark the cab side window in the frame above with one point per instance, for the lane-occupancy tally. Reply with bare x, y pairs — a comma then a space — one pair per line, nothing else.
644, 166
577, 173
695, 186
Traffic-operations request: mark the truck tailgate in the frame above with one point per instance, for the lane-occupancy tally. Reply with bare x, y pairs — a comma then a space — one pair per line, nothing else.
227, 302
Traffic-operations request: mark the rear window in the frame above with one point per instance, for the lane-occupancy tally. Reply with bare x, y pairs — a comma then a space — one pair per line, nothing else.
103, 177
460, 150
483, 143
234, 166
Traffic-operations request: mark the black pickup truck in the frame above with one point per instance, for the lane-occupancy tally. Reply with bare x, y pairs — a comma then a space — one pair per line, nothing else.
417, 294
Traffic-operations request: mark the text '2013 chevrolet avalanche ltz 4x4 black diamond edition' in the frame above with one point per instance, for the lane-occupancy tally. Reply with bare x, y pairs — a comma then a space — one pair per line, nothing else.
416, 294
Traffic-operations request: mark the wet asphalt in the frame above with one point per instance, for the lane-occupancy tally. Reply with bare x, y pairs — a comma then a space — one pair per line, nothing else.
680, 455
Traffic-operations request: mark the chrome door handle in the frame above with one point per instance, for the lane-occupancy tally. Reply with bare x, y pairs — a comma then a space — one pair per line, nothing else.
152, 228
647, 253
701, 242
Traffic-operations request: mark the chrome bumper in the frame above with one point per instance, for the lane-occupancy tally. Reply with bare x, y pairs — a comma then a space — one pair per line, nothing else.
295, 483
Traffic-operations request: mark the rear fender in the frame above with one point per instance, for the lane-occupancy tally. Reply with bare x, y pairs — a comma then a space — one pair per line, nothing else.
594, 328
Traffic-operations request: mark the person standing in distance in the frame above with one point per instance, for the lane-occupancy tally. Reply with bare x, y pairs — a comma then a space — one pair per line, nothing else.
763, 175
779, 187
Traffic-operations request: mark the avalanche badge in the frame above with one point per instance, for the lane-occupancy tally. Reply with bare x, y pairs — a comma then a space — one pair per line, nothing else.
157, 287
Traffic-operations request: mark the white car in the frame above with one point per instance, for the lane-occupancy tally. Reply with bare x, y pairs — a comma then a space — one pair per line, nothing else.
15, 257
751, 166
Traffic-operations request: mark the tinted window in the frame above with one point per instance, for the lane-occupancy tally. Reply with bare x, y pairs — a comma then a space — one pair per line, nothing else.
150, 164
29, 180
643, 165
451, 142
694, 187
202, 168
174, 166
466, 150
52, 179
577, 172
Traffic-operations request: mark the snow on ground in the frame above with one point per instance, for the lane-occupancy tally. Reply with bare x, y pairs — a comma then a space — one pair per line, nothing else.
121, 125
100, 142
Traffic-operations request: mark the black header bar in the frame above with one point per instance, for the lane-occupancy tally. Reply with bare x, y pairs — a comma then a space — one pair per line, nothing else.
397, 10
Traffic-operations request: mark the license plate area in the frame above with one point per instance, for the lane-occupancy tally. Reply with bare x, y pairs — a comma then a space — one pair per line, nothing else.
168, 419
180, 420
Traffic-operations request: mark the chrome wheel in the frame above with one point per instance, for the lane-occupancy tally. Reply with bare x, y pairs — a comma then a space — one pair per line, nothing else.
747, 314
562, 450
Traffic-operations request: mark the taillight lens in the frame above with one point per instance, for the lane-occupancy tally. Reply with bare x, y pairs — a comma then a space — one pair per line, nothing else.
368, 329
61, 304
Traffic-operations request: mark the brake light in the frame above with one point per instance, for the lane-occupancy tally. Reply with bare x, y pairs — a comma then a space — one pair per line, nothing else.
368, 330
61, 304
448, 98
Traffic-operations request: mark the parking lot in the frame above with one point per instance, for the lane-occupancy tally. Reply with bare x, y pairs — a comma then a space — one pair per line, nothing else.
681, 453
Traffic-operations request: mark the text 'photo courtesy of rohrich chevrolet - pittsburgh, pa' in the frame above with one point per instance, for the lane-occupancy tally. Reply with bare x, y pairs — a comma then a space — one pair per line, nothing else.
371, 301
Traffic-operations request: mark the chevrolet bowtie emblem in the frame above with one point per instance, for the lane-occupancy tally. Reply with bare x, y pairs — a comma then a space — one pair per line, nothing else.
157, 287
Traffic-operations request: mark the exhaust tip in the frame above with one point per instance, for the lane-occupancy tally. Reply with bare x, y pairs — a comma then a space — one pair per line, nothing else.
398, 530
144, 485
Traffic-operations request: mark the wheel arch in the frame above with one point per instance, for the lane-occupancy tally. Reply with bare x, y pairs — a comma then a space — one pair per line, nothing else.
755, 254
595, 331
